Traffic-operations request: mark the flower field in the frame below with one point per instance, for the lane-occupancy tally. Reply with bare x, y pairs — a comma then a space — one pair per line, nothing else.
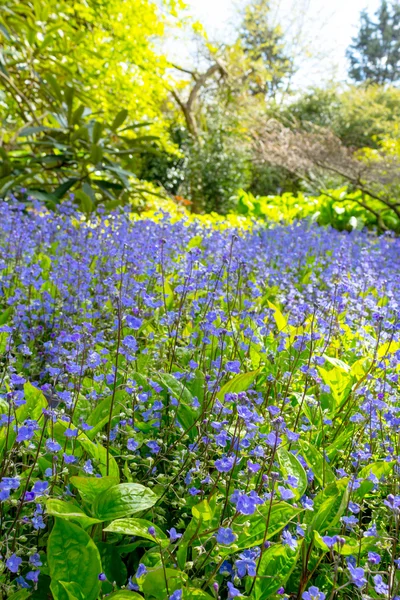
197, 412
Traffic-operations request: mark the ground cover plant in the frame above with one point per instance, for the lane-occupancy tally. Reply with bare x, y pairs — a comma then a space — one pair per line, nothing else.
191, 411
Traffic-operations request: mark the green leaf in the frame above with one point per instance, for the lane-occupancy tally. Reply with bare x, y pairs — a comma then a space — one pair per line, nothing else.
280, 319
5, 316
73, 558
339, 381
119, 119
123, 500
20, 595
69, 511
124, 595
154, 582
64, 187
240, 383
138, 527
203, 511
90, 487
318, 463
276, 565
73, 591
96, 132
99, 454
112, 565
290, 465
253, 534
86, 203
195, 593
330, 505
185, 414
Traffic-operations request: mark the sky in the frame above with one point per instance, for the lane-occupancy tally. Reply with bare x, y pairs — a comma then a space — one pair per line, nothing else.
323, 27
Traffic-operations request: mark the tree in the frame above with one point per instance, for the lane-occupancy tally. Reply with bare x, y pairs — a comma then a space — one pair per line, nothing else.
318, 156
263, 46
374, 55
77, 79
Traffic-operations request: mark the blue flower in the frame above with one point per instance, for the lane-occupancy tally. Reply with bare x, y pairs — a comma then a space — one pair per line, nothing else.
357, 575
32, 576
374, 558
153, 446
225, 536
177, 595
173, 535
141, 570
232, 591
35, 560
232, 366
246, 566
380, 586
225, 464
25, 434
285, 493
70, 433
13, 563
52, 446
289, 540
313, 593
132, 445
246, 505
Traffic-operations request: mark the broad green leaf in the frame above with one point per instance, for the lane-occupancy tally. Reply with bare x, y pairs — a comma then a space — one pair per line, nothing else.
20, 595
73, 558
69, 511
203, 511
240, 383
6, 315
112, 565
99, 454
317, 462
290, 465
276, 565
339, 381
154, 584
73, 591
123, 500
90, 487
124, 595
330, 509
35, 402
196, 593
336, 362
253, 534
138, 527
280, 319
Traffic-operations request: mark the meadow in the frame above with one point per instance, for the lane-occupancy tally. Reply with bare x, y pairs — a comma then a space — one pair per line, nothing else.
197, 411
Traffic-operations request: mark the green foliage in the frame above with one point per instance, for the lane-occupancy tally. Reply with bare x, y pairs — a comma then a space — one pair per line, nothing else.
216, 166
338, 208
74, 562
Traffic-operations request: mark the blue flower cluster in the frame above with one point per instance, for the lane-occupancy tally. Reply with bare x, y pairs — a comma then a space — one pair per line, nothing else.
201, 412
